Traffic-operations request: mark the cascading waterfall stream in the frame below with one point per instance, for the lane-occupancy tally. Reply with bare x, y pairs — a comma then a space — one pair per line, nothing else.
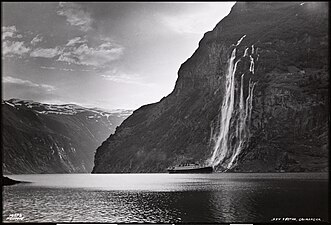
232, 132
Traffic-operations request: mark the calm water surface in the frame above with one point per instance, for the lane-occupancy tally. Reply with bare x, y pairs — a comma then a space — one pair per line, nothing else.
167, 198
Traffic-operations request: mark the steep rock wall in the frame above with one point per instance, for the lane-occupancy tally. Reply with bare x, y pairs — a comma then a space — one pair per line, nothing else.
287, 43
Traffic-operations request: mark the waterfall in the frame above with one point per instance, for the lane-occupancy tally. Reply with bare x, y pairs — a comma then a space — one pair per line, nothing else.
239, 41
251, 67
231, 133
245, 53
244, 117
226, 112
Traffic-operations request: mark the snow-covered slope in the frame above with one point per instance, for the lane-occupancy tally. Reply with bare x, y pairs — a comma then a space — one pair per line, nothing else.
49, 138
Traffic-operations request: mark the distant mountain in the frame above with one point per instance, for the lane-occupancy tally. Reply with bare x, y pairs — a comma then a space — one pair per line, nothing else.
254, 97
47, 138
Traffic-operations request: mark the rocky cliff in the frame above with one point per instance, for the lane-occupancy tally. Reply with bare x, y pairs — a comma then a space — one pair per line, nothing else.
253, 97
44, 138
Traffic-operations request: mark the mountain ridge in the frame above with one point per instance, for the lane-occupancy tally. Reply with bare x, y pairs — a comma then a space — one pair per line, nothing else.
283, 56
51, 138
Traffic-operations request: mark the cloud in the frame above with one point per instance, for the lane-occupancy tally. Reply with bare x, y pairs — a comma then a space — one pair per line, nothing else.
48, 67
36, 39
46, 52
75, 41
28, 83
181, 24
11, 48
77, 50
8, 32
198, 21
91, 56
54, 68
68, 58
121, 77
66, 69
75, 15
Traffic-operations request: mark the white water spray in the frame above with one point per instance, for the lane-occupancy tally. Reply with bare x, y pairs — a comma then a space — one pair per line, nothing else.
232, 132
251, 67
239, 41
245, 53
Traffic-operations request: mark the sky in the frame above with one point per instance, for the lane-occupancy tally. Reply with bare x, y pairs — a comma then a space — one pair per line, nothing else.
111, 55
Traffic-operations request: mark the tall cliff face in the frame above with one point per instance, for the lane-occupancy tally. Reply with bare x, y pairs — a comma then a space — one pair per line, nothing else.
44, 138
253, 97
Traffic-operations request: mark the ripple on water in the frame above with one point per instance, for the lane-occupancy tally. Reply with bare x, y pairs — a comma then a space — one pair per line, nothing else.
171, 199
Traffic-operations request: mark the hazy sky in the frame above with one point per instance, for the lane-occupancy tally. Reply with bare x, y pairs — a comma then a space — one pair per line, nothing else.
107, 55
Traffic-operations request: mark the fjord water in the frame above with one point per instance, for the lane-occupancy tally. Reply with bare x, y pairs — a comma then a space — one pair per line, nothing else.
167, 198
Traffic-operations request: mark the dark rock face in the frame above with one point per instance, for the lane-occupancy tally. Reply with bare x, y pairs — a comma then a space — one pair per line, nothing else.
7, 181
43, 138
288, 44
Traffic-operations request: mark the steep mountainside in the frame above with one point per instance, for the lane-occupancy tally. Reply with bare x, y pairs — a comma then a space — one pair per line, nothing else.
253, 97
43, 138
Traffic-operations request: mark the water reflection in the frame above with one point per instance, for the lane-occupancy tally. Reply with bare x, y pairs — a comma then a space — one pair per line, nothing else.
166, 199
